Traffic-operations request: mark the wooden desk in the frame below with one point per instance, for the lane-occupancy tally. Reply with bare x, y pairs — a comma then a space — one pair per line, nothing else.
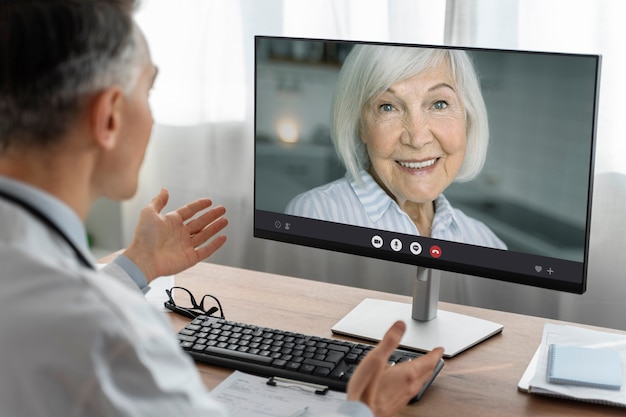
479, 382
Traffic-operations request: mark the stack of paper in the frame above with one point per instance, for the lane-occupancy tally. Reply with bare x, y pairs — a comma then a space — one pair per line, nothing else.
598, 357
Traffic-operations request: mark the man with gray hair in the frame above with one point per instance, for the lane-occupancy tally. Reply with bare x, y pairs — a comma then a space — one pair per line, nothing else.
75, 76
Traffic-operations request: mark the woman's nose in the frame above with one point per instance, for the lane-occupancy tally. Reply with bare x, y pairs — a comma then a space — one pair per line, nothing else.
416, 131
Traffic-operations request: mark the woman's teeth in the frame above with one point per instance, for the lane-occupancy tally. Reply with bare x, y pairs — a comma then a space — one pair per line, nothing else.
418, 165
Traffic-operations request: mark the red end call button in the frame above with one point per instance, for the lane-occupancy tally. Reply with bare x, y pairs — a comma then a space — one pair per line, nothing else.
435, 251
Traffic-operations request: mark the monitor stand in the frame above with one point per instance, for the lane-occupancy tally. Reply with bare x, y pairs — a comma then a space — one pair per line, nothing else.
427, 327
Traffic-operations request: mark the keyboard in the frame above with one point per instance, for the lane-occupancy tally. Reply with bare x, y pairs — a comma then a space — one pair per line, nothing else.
310, 360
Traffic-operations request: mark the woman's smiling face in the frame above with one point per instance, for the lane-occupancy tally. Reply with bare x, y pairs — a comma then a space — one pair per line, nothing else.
415, 134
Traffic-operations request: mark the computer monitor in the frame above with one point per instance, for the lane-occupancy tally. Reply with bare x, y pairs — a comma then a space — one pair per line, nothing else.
475, 161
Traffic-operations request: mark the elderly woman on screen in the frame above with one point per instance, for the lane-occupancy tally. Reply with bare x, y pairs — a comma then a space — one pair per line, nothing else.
406, 122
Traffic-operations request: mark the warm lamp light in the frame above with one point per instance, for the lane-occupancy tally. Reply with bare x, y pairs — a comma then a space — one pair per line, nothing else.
287, 129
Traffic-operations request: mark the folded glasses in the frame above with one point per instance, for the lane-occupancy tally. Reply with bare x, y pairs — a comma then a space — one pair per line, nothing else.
182, 301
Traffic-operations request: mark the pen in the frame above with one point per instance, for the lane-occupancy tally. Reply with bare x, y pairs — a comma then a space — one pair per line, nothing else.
300, 413
286, 382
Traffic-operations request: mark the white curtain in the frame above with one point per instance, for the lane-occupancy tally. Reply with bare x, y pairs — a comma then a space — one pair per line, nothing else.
578, 26
202, 142
202, 101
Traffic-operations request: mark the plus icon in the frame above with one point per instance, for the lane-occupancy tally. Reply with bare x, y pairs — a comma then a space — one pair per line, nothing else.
550, 271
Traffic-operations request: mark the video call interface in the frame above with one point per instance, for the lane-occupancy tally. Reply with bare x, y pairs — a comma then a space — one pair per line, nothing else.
533, 192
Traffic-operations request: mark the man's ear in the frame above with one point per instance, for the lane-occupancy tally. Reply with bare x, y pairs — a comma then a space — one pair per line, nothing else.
106, 117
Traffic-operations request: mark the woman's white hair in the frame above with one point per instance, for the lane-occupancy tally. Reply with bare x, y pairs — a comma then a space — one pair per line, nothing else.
369, 70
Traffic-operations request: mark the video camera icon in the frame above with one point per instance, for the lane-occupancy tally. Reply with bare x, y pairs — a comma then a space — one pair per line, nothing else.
377, 241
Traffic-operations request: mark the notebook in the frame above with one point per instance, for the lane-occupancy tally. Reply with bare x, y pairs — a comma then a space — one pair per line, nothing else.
583, 366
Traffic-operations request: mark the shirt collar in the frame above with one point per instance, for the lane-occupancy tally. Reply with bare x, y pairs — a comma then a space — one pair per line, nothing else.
373, 198
444, 216
376, 202
56, 210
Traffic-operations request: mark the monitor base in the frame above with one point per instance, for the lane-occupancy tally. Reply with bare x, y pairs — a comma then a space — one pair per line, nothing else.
454, 332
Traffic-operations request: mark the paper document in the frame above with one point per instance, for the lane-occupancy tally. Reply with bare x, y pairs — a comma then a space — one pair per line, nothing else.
535, 378
248, 395
156, 295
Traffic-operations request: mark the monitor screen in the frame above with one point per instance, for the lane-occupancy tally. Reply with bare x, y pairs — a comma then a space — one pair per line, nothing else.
475, 161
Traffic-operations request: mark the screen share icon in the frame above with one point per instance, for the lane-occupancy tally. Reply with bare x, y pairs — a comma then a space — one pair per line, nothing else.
415, 248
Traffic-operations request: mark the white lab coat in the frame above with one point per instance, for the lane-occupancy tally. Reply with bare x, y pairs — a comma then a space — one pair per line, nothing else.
79, 342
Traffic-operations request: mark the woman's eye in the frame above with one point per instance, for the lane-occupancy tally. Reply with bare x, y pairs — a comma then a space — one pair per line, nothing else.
440, 105
386, 107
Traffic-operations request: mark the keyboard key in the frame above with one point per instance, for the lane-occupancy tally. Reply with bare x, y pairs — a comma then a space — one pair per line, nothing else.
243, 356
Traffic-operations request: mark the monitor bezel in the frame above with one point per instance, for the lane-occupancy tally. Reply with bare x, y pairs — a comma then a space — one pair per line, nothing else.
263, 229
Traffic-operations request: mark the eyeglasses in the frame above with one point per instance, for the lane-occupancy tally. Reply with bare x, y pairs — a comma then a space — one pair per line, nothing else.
188, 306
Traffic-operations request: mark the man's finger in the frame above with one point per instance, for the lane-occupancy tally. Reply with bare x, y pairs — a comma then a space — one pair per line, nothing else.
391, 340
187, 211
375, 361
159, 202
211, 247
199, 238
198, 224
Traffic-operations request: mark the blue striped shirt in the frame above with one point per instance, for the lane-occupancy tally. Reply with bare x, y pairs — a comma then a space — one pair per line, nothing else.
366, 204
